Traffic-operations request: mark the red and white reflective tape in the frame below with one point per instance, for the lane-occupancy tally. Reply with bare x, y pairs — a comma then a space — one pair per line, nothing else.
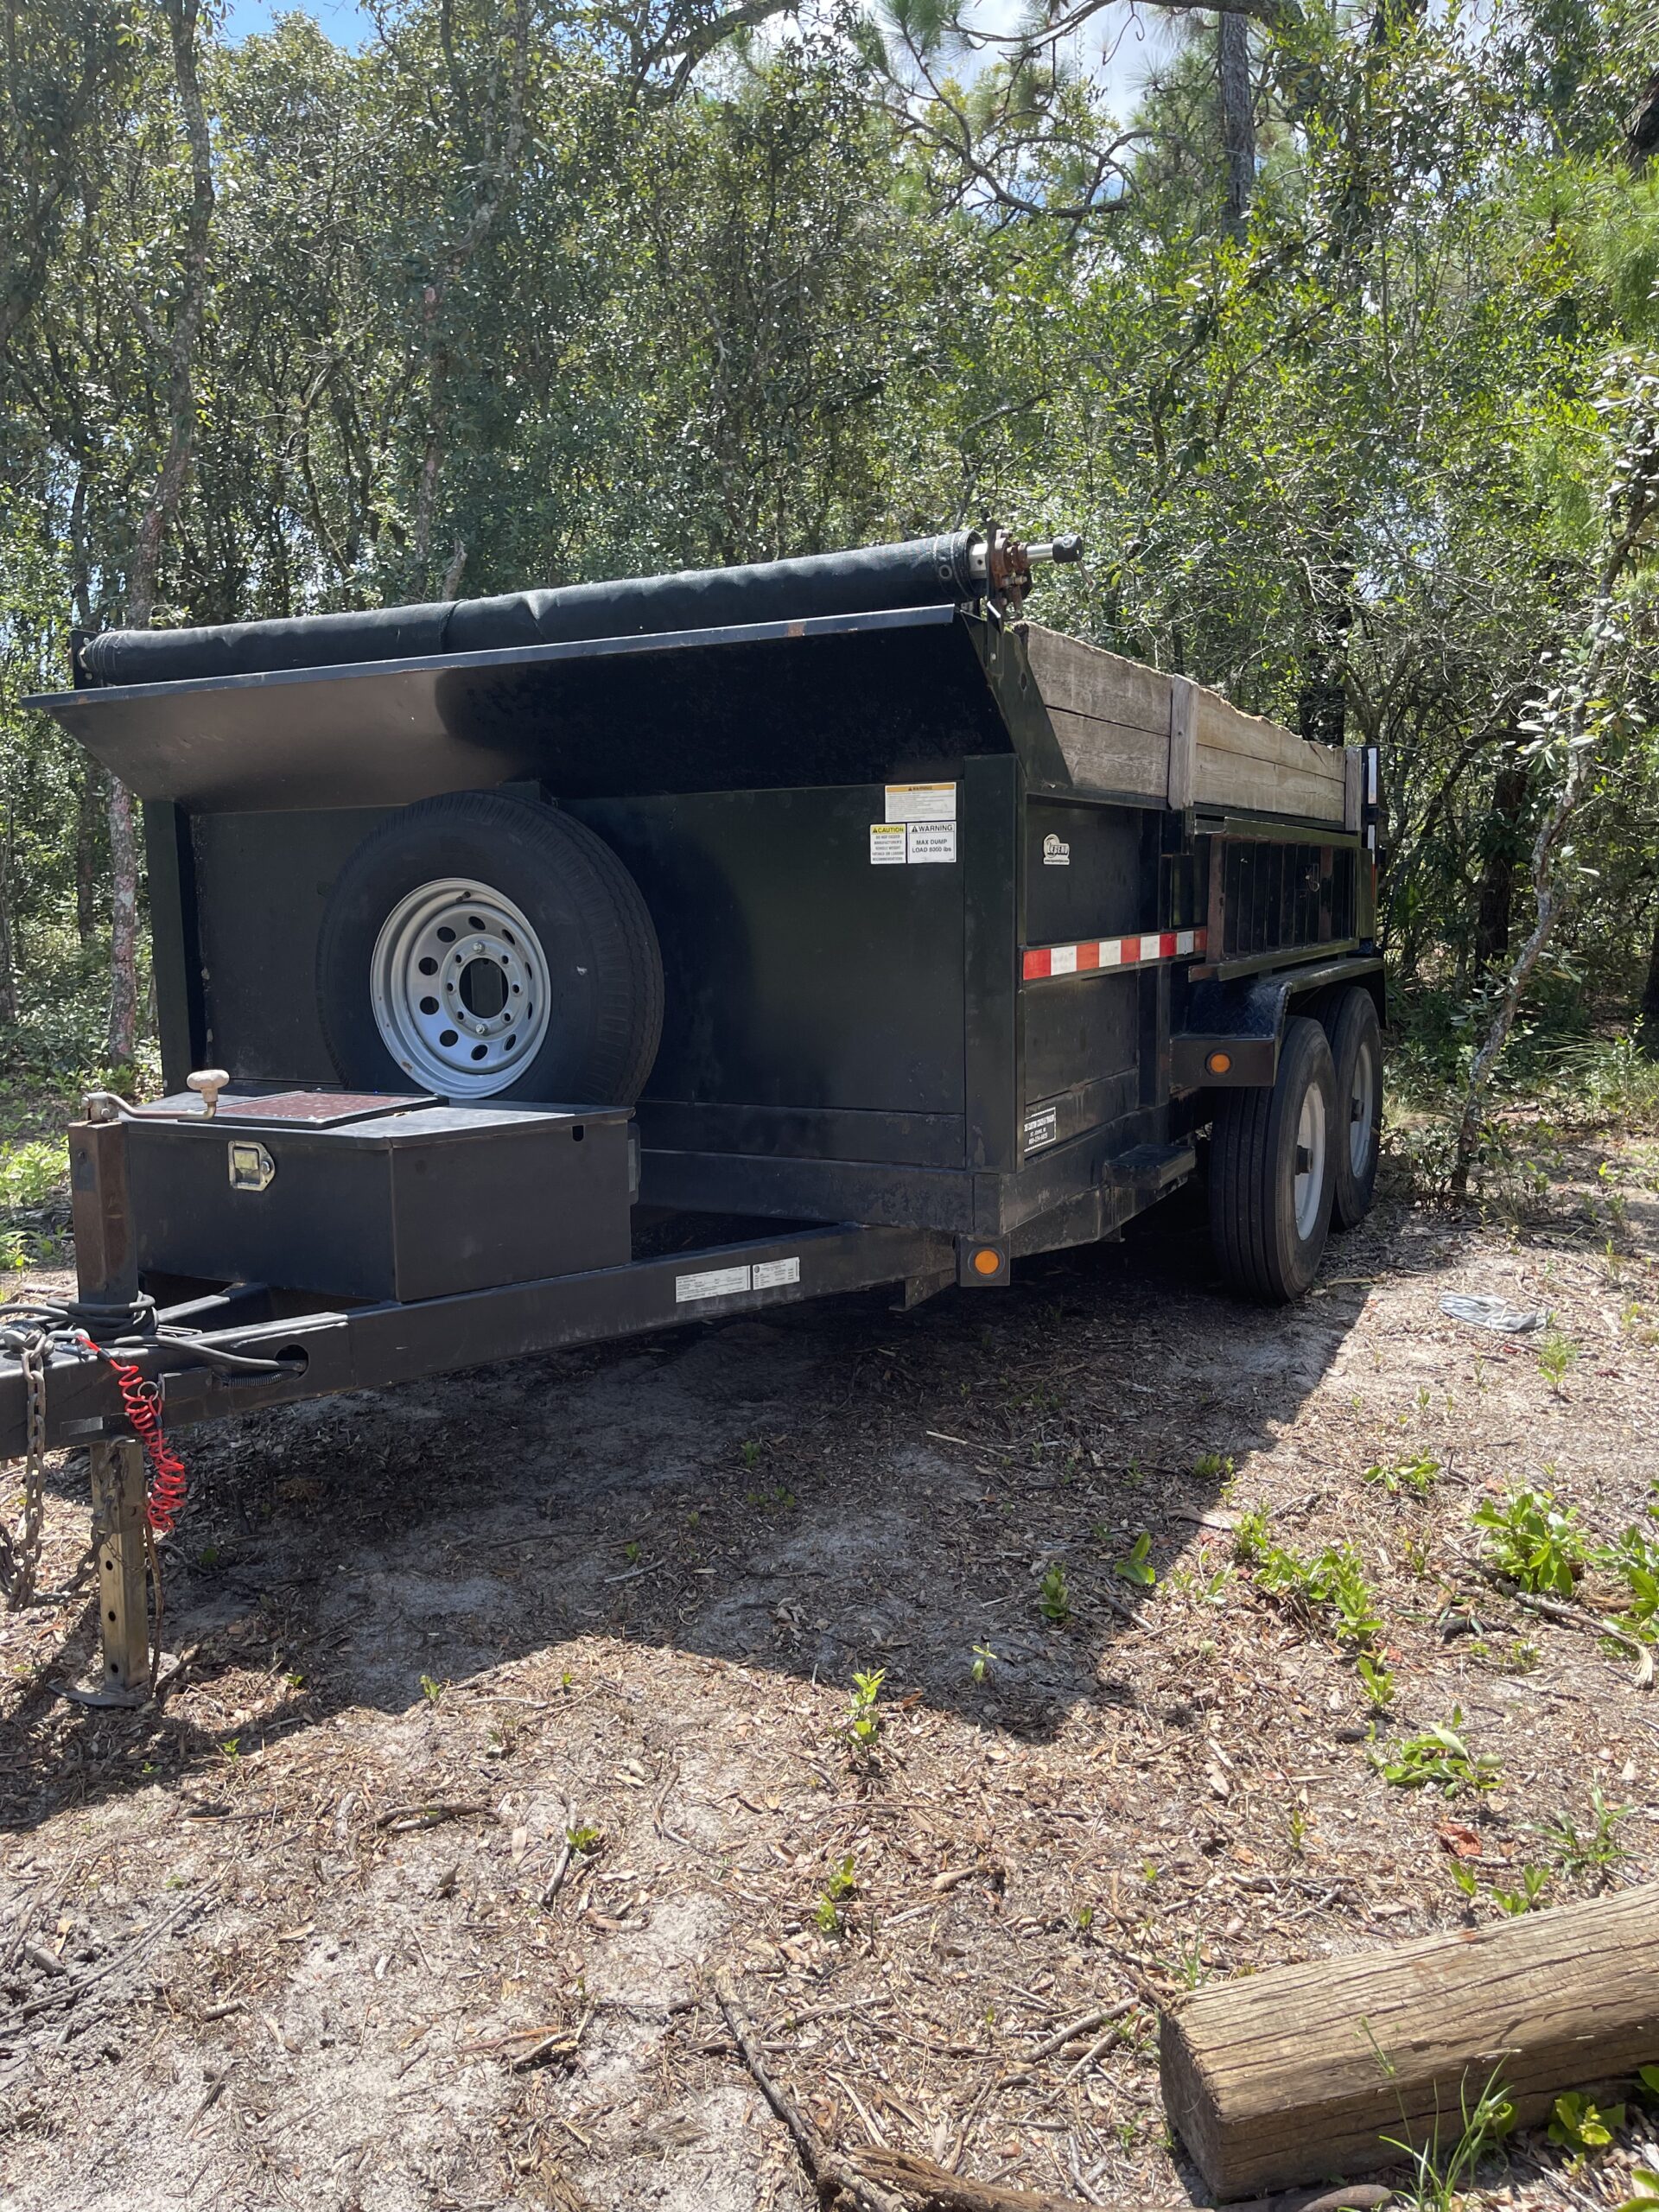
1100, 953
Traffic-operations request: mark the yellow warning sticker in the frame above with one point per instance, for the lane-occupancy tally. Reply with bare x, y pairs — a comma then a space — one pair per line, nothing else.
887, 844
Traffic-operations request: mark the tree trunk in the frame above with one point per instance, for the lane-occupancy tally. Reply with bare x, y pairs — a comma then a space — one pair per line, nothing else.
1237, 121
121, 1043
143, 580
87, 800
1575, 716
9, 1008
1648, 1018
1503, 846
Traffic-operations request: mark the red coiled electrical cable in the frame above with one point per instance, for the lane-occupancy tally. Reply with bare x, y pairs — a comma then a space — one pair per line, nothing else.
164, 1501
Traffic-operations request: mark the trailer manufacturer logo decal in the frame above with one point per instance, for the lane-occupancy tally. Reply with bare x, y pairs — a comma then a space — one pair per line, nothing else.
734, 1282
1042, 1128
921, 802
1101, 954
1056, 852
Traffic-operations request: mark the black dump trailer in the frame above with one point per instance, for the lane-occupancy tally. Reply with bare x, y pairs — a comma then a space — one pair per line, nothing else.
542, 968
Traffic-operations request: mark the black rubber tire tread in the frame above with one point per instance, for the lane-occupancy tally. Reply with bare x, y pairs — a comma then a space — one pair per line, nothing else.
1252, 1157
1350, 1020
573, 890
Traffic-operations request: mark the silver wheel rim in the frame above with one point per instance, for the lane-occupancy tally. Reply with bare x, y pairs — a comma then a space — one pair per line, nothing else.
458, 981
1362, 1111
1309, 1186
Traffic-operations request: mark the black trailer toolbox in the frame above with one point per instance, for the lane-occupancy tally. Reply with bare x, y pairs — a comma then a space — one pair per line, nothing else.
372, 1197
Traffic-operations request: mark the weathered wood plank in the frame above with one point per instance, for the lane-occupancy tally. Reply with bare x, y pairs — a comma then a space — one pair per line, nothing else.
1104, 756
1088, 680
1123, 727
1223, 727
1183, 742
1300, 2073
1234, 780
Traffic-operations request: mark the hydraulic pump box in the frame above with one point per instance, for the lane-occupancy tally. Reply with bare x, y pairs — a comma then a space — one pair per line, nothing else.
376, 1197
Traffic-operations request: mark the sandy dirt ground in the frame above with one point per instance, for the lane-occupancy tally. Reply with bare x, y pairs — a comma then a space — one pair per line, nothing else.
315, 1933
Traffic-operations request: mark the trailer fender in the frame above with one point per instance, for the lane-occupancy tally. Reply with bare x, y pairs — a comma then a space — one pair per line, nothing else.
1233, 1030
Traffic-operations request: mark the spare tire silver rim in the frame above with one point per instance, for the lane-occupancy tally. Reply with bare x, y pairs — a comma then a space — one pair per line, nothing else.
1309, 1186
460, 988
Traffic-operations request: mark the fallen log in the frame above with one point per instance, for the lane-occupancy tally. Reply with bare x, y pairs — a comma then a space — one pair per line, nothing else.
1303, 2073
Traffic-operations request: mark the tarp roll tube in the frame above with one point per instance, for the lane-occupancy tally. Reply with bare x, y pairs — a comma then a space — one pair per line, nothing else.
923, 572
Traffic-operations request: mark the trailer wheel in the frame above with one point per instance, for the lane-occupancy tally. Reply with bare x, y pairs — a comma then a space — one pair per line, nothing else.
1357, 1048
484, 947
1272, 1171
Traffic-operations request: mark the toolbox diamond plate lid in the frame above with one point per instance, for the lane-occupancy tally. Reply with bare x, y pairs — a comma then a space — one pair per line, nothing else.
376, 1117
313, 1109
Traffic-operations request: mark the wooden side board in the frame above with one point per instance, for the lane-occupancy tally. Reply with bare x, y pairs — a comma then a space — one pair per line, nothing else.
1303, 2073
1125, 728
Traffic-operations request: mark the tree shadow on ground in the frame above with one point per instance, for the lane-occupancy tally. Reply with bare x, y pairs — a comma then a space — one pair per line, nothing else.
838, 1486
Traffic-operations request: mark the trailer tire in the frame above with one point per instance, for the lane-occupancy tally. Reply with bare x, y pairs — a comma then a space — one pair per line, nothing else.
1350, 1023
479, 946
1270, 1209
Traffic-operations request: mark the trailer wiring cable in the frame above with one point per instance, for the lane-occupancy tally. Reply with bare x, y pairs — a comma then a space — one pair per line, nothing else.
32, 1331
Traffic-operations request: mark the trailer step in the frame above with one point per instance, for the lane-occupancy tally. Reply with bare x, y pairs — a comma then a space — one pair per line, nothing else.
1155, 1166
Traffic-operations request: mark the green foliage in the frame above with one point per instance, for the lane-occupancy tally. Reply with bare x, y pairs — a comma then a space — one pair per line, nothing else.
1332, 1583
1644, 2194
1378, 1682
1439, 1758
1137, 1566
1533, 1539
584, 1839
843, 1885
1591, 1848
1555, 1356
1577, 2125
1535, 1880
1439, 2174
1416, 1475
1635, 1558
862, 1726
1054, 1595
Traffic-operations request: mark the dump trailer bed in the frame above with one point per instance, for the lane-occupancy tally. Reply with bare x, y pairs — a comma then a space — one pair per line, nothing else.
613, 956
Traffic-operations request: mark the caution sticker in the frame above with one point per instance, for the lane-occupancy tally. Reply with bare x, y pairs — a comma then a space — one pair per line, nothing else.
921, 802
930, 840
887, 844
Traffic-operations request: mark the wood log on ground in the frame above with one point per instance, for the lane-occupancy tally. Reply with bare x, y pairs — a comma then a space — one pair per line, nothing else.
1300, 2074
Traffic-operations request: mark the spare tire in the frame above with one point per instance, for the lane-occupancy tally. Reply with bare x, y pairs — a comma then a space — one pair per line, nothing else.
484, 947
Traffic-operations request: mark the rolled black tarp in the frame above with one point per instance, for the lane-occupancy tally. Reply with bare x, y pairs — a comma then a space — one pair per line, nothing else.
923, 572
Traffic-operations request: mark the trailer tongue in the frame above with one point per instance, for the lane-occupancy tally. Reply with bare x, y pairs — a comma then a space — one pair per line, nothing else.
537, 971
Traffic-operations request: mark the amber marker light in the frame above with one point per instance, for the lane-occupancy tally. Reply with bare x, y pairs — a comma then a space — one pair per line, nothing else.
987, 1263
1218, 1062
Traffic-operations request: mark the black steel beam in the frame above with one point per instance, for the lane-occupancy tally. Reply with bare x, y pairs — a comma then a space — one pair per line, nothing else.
373, 1347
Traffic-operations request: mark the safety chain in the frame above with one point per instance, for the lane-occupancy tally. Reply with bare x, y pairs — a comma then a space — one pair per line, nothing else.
31, 1332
